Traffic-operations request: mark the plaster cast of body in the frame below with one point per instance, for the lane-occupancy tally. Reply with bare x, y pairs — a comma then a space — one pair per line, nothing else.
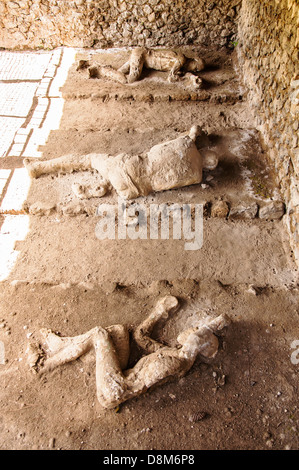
172, 164
180, 67
161, 363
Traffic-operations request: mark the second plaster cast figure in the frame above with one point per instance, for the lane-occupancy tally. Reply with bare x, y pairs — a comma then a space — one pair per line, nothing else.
172, 164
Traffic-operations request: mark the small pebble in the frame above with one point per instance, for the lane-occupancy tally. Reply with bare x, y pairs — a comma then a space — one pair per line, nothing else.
219, 209
251, 290
52, 443
198, 416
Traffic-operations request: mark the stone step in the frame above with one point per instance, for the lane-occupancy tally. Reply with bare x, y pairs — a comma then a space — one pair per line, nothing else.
96, 116
73, 250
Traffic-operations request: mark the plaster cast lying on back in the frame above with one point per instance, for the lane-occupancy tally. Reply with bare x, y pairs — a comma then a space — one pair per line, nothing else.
180, 67
172, 164
114, 383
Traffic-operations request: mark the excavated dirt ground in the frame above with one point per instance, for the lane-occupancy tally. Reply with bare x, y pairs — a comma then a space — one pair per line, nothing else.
68, 280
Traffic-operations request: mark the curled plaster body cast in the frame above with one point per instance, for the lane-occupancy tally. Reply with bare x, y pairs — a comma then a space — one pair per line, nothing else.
114, 383
179, 67
172, 164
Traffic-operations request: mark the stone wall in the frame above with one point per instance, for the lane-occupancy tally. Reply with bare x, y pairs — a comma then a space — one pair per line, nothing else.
113, 23
268, 57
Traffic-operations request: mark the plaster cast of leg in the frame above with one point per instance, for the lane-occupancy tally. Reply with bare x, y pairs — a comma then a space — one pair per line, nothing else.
136, 64
65, 164
161, 311
111, 74
61, 350
111, 345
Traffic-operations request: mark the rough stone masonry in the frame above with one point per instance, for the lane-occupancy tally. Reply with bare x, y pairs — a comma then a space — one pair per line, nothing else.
268, 56
114, 23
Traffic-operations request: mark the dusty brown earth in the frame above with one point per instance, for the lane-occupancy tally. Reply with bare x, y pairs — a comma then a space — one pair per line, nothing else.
68, 280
